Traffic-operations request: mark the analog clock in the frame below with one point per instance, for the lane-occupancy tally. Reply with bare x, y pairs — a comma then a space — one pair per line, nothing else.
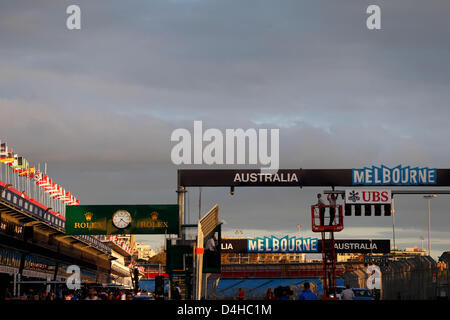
121, 219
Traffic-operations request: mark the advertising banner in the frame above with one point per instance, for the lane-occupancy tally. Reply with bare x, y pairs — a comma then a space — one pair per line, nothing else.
360, 246
283, 245
368, 176
122, 219
398, 176
368, 196
271, 244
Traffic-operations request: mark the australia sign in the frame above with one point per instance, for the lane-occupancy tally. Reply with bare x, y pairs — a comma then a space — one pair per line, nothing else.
361, 246
122, 219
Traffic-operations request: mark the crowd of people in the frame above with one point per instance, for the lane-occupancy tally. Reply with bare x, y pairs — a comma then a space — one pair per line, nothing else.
285, 293
82, 294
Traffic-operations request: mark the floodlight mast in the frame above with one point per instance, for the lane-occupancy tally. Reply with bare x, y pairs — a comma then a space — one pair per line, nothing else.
429, 197
181, 191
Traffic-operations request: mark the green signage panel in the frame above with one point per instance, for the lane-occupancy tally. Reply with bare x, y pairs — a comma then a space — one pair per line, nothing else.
122, 219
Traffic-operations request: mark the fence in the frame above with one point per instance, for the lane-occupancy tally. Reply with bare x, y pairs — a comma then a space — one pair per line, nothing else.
406, 278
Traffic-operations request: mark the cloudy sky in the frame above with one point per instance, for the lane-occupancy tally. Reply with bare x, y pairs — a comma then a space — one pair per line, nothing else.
99, 104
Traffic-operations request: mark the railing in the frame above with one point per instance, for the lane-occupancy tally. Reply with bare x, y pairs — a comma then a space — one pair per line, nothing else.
321, 214
94, 241
31, 206
37, 210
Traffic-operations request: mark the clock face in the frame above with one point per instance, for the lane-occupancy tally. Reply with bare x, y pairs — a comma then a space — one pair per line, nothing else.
121, 219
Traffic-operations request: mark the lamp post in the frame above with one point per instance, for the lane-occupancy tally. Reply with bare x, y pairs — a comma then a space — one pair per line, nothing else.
300, 235
393, 224
429, 197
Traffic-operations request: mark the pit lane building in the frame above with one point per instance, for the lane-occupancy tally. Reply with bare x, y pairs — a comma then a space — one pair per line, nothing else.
34, 249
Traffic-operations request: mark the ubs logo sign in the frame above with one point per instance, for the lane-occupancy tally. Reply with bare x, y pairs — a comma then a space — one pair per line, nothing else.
368, 196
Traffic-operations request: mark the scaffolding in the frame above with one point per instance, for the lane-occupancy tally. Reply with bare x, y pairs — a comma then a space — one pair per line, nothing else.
320, 214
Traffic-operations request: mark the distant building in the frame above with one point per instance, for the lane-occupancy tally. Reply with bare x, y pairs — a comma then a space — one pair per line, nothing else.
143, 252
349, 257
240, 258
410, 251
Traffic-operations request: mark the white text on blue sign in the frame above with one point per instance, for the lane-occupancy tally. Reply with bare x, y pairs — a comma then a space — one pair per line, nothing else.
285, 244
399, 175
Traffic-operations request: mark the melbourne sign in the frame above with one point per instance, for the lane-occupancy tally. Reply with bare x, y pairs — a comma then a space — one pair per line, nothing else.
400, 175
122, 219
270, 245
282, 245
368, 196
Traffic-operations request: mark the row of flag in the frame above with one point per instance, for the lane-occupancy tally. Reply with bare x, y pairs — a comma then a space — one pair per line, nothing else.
18, 164
125, 245
22, 168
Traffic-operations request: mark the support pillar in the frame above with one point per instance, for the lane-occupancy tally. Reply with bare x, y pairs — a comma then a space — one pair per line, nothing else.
181, 191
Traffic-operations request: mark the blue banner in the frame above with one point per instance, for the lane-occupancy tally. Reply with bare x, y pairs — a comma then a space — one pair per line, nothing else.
283, 245
400, 175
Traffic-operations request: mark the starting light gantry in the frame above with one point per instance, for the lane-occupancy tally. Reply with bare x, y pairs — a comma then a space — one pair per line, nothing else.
382, 176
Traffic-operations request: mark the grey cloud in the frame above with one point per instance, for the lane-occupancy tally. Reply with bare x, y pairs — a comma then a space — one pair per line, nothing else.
82, 135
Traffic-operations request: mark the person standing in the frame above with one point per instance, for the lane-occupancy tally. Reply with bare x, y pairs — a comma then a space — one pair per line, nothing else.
277, 292
307, 294
294, 292
210, 253
176, 292
211, 244
92, 294
284, 295
269, 295
321, 204
241, 294
347, 294
332, 200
